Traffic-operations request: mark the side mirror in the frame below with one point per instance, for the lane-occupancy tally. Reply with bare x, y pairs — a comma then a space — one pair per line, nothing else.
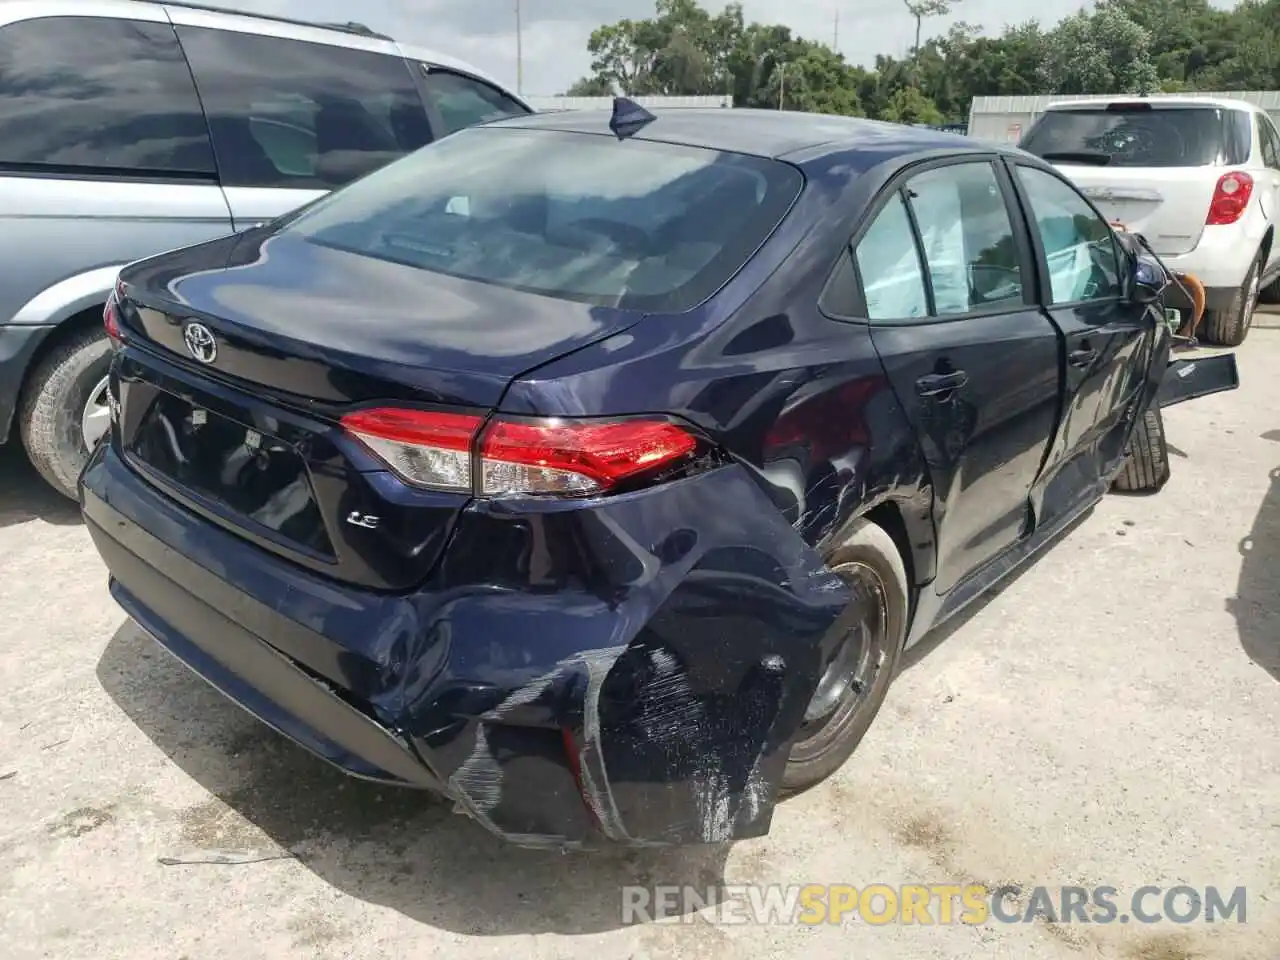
1148, 281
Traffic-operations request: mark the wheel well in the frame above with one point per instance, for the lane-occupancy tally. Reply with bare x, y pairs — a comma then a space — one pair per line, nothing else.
1267, 239
69, 327
888, 517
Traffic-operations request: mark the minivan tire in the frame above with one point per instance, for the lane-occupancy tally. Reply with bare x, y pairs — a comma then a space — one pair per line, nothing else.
871, 547
1228, 327
53, 402
1146, 463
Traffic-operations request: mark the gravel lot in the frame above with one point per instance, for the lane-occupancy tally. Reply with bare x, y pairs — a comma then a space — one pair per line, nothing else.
1111, 717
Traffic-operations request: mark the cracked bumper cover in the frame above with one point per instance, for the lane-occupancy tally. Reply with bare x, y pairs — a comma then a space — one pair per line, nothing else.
630, 671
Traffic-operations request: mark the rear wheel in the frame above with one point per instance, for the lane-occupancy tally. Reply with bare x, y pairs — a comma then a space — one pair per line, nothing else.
1229, 327
856, 677
64, 409
1271, 292
1146, 465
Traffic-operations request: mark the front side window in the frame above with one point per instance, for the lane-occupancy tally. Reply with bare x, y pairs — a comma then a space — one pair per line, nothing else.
99, 95
1079, 247
972, 257
630, 224
462, 102
889, 266
285, 113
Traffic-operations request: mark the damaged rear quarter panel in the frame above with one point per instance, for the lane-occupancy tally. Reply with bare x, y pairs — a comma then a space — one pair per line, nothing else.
670, 687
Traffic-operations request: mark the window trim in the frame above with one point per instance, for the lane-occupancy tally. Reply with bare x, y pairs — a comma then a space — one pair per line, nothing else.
1045, 285
104, 172
894, 186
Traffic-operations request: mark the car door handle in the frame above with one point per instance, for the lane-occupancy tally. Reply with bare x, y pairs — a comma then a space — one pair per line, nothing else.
933, 384
1082, 358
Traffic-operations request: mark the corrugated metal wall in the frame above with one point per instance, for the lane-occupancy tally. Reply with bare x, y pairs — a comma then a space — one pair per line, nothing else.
606, 103
1007, 118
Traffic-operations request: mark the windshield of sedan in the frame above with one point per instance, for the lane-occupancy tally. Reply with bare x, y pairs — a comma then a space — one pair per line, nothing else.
623, 223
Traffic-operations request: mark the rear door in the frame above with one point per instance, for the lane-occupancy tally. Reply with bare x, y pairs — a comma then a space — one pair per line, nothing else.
1151, 166
1108, 340
948, 282
293, 119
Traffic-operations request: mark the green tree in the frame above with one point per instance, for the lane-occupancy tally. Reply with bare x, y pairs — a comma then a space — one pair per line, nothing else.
1099, 52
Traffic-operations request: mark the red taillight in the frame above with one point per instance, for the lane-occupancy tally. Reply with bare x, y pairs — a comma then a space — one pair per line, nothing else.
111, 313
519, 457
1230, 198
575, 457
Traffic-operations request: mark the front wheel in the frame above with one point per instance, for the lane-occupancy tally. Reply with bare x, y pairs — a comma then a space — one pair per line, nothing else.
64, 409
857, 674
1146, 463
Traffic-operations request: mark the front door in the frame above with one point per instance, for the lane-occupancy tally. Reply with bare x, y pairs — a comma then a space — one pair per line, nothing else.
1108, 339
947, 273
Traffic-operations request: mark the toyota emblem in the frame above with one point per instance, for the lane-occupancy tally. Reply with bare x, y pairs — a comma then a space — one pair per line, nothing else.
200, 342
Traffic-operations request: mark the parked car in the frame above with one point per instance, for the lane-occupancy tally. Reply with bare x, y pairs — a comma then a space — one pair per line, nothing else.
1199, 177
598, 481
130, 128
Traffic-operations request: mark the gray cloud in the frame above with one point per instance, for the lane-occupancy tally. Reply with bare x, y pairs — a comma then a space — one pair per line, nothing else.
555, 32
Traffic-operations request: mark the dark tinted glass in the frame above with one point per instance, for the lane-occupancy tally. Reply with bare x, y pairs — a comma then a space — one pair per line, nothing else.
630, 223
99, 94
1148, 135
1270, 140
290, 114
463, 102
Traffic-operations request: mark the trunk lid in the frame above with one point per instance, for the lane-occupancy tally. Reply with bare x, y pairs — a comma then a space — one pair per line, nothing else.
246, 433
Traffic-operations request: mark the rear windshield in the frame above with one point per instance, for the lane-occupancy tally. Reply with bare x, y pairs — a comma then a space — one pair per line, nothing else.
1142, 136
623, 223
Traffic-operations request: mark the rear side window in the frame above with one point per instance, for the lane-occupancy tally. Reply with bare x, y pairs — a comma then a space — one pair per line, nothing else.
99, 95
1143, 134
630, 224
1270, 141
285, 113
463, 102
969, 247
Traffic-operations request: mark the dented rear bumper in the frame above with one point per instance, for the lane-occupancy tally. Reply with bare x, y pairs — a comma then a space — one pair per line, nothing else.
631, 671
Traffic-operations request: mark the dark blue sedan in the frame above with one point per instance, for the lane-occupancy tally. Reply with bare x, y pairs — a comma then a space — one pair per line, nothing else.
597, 475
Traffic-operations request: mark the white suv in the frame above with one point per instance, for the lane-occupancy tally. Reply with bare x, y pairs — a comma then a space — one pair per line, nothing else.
1199, 177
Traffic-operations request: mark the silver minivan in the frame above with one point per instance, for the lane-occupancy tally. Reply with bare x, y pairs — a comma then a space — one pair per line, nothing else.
128, 128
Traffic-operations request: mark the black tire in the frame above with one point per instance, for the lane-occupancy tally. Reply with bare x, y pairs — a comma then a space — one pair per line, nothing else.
1229, 327
53, 401
830, 741
1146, 464
1270, 293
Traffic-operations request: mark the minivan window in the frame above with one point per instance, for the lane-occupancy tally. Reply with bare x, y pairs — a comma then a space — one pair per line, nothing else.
463, 102
625, 223
1143, 134
99, 95
287, 113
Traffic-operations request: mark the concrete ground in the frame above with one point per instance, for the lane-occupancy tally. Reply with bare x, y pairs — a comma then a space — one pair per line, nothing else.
1110, 717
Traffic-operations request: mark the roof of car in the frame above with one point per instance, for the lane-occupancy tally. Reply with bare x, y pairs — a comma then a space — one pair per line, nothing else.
765, 133
1160, 101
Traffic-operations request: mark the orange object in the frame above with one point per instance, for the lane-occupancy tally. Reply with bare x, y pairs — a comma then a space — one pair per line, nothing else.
1196, 289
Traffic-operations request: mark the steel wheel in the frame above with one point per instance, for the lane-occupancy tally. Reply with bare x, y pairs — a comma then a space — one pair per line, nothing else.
95, 419
845, 691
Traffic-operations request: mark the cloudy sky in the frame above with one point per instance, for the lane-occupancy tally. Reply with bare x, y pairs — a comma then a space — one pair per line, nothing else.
555, 31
